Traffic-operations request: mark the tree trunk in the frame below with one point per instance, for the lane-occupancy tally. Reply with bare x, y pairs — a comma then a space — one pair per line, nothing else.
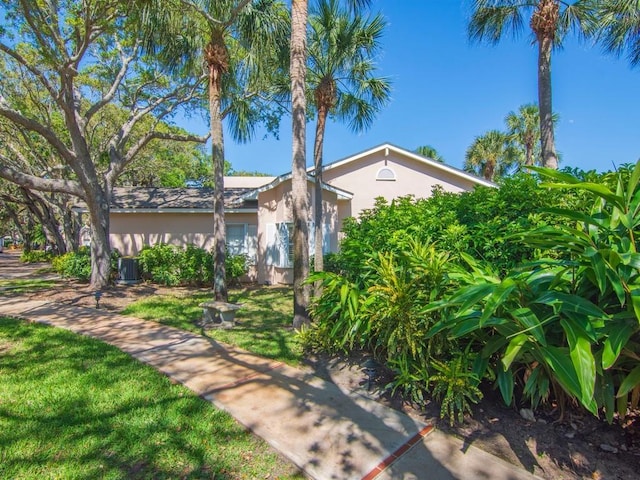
528, 152
318, 264
301, 291
547, 142
217, 158
98, 206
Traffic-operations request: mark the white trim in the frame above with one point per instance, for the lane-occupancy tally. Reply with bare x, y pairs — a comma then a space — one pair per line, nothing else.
253, 195
414, 156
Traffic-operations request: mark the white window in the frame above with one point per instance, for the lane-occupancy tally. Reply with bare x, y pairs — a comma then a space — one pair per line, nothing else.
385, 174
242, 239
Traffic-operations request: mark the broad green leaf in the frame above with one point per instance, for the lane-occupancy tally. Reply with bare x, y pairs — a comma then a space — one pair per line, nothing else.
560, 362
531, 324
514, 347
631, 259
634, 179
505, 383
585, 366
618, 337
629, 382
599, 268
600, 190
463, 328
554, 174
635, 301
566, 302
497, 298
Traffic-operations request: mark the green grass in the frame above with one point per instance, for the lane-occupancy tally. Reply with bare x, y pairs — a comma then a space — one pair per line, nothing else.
264, 321
73, 407
17, 286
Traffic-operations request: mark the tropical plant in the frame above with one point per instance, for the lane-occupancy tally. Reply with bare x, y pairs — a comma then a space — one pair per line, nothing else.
523, 128
490, 155
240, 43
550, 21
429, 152
618, 28
569, 325
341, 78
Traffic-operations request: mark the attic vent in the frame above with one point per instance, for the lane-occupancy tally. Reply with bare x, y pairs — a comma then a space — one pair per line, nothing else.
386, 175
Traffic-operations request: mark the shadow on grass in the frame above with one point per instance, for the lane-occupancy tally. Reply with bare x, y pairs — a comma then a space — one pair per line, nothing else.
78, 408
263, 324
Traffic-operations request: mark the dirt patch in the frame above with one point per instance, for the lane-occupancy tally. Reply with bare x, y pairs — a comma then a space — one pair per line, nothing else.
578, 447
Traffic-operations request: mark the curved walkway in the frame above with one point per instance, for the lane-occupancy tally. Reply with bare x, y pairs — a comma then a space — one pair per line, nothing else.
326, 432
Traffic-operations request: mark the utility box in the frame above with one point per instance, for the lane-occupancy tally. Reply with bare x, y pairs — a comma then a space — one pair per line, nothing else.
128, 271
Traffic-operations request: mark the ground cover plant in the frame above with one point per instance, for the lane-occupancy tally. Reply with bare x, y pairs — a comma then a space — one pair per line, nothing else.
263, 323
533, 289
74, 407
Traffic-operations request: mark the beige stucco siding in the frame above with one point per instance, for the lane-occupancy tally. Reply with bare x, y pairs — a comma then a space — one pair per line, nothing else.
412, 177
275, 207
132, 231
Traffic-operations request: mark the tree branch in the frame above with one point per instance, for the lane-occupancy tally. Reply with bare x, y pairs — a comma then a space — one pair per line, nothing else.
34, 126
37, 183
34, 71
114, 86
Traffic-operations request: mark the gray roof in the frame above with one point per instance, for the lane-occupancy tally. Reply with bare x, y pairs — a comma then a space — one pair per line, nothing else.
156, 198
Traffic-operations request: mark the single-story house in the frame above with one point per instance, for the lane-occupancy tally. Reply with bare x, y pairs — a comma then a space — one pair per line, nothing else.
258, 211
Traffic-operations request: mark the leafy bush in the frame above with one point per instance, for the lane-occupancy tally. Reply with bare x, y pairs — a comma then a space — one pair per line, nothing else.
74, 264
567, 326
170, 265
36, 256
535, 288
236, 266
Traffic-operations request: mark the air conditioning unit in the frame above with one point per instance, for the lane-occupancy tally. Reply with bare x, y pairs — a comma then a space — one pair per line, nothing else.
128, 271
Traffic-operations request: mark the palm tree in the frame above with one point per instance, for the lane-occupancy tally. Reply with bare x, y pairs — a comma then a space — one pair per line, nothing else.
238, 41
550, 21
429, 152
297, 70
618, 28
524, 129
490, 155
341, 77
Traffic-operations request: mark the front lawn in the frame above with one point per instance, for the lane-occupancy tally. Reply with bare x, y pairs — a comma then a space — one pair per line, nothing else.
74, 407
20, 286
264, 321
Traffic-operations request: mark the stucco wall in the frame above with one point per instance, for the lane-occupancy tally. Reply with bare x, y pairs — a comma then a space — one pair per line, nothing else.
132, 231
275, 206
412, 177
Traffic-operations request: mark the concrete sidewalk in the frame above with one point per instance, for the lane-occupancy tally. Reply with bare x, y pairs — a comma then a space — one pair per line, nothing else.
328, 433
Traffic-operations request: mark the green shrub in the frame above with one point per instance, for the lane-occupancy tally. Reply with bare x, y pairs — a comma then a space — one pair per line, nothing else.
160, 264
535, 289
568, 326
74, 264
236, 266
170, 265
36, 256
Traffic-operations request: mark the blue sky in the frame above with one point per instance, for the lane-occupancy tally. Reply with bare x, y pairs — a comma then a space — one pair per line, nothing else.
447, 91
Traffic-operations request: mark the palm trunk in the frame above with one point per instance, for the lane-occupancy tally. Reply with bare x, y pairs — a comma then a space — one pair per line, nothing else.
317, 157
528, 153
547, 142
217, 157
301, 291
